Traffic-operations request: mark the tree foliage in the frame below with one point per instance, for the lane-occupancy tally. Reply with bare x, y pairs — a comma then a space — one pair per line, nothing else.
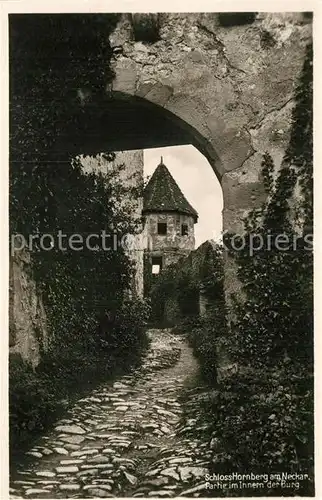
182, 282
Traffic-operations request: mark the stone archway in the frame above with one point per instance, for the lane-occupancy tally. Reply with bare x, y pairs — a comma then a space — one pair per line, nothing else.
231, 85
228, 90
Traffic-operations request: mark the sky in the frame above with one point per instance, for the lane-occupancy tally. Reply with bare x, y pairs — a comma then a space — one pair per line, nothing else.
197, 181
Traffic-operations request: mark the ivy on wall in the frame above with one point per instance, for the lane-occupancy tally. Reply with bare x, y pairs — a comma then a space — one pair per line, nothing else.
275, 322
268, 399
57, 62
59, 65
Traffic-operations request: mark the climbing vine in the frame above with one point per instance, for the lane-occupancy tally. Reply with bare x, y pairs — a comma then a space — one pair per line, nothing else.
268, 399
275, 322
181, 285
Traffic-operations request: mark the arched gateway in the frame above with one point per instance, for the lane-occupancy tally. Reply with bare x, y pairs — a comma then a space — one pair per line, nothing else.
225, 86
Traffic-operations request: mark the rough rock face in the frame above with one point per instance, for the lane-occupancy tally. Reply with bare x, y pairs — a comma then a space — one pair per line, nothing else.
230, 86
27, 318
228, 83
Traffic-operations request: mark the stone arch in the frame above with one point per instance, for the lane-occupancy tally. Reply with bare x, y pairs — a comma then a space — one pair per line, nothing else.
223, 82
179, 112
128, 117
125, 120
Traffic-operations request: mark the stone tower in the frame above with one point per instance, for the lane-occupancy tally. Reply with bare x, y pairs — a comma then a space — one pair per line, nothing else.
168, 223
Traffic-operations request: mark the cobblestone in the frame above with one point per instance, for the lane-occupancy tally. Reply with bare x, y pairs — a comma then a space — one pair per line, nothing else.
127, 438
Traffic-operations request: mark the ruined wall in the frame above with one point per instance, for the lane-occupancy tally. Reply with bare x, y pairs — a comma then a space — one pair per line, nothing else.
28, 333
129, 176
230, 85
188, 271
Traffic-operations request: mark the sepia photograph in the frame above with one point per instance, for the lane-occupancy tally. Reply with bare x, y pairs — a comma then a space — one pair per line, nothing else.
160, 295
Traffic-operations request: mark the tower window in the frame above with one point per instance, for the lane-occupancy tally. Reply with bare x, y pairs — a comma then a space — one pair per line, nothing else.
162, 228
184, 229
156, 265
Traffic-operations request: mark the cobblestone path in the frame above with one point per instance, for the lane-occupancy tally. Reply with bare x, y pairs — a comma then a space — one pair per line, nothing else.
126, 438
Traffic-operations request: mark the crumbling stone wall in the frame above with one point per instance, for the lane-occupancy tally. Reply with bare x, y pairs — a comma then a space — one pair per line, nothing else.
189, 269
230, 85
28, 334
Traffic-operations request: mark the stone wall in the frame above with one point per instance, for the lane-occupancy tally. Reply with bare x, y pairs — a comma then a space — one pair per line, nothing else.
173, 238
230, 87
28, 333
173, 242
129, 176
189, 269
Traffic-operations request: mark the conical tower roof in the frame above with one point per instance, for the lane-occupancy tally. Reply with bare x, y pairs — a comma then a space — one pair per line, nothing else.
162, 194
